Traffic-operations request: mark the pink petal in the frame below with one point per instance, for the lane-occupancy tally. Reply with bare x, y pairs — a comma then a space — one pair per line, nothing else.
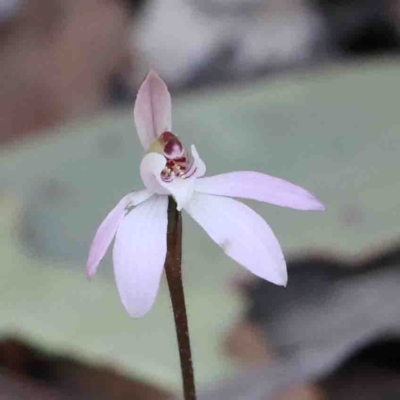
139, 254
261, 187
242, 234
106, 231
152, 110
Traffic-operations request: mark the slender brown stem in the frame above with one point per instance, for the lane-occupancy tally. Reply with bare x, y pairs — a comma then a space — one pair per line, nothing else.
174, 277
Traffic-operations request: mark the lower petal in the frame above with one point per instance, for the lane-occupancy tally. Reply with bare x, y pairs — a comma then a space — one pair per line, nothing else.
139, 255
106, 231
242, 234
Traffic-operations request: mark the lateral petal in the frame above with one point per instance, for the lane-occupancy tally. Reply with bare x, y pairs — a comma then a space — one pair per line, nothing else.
261, 187
106, 231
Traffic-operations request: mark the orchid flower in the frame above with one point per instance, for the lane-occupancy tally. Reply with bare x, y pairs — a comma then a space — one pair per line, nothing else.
139, 221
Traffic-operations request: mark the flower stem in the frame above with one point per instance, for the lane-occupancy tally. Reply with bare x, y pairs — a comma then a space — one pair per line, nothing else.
174, 277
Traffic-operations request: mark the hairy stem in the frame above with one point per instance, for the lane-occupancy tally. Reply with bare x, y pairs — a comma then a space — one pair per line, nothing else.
174, 277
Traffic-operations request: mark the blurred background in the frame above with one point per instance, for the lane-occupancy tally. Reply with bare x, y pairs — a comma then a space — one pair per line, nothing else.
305, 90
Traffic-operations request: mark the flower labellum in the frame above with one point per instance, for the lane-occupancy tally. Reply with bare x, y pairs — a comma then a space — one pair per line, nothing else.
139, 221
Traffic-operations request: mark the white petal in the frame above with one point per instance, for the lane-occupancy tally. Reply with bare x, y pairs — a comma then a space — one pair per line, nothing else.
150, 171
181, 189
152, 110
200, 166
139, 254
106, 231
242, 234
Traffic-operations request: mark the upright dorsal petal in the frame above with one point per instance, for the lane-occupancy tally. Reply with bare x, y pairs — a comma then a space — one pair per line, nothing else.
152, 110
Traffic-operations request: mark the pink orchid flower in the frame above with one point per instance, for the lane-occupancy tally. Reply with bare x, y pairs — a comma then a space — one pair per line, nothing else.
139, 220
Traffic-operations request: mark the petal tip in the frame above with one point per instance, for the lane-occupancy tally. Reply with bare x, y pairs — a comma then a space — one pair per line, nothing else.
91, 267
90, 271
152, 75
90, 276
312, 203
317, 205
281, 278
194, 151
200, 166
134, 311
284, 283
